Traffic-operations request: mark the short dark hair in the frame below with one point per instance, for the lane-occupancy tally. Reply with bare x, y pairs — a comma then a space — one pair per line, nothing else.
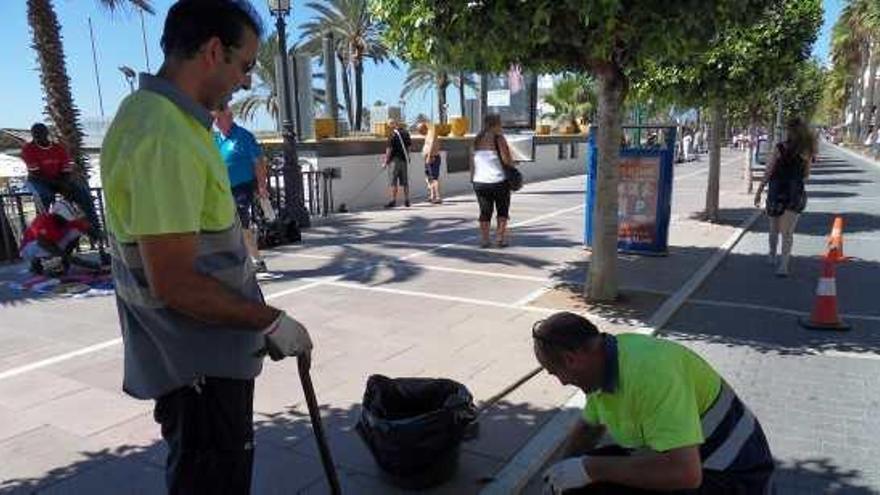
190, 23
38, 127
564, 331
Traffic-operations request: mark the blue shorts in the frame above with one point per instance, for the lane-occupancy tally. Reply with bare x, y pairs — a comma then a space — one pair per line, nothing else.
243, 195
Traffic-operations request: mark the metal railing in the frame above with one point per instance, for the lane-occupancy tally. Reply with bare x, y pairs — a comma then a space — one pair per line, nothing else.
18, 209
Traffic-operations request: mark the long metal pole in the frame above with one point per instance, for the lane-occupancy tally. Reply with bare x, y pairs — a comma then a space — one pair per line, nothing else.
144, 35
95, 62
293, 184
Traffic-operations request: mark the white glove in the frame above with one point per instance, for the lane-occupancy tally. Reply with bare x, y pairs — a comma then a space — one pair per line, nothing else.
286, 337
566, 475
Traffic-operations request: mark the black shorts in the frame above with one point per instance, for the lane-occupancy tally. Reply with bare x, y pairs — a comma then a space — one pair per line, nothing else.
432, 168
209, 431
243, 195
493, 197
397, 173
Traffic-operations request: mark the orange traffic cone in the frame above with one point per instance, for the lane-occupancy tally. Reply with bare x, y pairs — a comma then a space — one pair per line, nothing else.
835, 242
824, 316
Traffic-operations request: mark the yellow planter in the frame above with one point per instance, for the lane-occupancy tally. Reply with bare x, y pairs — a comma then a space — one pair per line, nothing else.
459, 126
382, 129
543, 129
442, 129
325, 128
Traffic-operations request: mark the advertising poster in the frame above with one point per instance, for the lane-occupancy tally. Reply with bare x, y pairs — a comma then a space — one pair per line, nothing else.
637, 191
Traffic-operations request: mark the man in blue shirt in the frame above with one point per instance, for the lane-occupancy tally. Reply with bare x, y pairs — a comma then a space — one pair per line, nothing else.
248, 172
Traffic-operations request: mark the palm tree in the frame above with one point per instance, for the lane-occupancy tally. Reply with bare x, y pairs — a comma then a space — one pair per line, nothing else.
265, 93
423, 77
358, 37
572, 97
46, 41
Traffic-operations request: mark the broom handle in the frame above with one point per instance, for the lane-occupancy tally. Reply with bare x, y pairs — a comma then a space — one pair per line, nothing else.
315, 414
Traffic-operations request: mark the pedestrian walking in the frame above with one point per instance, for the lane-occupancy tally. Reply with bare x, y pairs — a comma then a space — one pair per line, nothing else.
675, 424
50, 172
688, 145
491, 156
248, 173
397, 162
431, 154
195, 325
786, 194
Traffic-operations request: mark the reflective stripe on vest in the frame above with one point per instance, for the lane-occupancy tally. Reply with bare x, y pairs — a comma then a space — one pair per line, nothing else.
723, 456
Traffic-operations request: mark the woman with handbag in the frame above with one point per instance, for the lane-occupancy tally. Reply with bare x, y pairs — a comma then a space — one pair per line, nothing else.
786, 195
431, 154
489, 165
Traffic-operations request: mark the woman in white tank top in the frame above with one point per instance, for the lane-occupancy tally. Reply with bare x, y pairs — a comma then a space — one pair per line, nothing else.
491, 156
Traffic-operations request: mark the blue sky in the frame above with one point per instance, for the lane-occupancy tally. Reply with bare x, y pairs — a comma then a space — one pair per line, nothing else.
119, 42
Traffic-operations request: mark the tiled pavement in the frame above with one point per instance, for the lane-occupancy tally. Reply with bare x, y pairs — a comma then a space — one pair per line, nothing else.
402, 292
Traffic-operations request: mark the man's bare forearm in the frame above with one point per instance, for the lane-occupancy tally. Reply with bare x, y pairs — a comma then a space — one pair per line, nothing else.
655, 471
206, 299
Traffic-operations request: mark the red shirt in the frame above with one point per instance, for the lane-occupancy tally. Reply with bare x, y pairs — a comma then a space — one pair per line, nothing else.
48, 163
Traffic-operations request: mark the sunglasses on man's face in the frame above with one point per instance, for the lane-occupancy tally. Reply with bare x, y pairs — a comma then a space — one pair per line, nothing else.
245, 66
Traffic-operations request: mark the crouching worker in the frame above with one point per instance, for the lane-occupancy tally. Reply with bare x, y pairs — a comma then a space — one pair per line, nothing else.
50, 239
676, 426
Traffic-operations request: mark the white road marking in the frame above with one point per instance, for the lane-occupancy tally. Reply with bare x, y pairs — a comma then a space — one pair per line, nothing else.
312, 283
59, 358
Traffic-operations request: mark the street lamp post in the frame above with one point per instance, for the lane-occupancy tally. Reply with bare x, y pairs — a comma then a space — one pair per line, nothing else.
294, 201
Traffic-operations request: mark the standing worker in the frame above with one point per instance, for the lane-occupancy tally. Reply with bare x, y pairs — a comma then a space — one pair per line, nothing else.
678, 427
194, 322
397, 162
248, 173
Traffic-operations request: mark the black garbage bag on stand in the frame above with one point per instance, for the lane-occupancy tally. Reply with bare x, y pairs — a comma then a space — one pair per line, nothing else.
414, 427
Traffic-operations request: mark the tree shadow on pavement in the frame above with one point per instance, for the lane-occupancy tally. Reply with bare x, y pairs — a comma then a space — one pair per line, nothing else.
818, 475
810, 222
287, 458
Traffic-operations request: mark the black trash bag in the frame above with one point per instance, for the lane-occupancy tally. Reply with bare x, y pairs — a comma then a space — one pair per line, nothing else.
414, 427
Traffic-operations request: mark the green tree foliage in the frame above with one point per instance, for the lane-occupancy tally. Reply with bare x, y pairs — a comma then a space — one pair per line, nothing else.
572, 97
743, 63
613, 40
358, 38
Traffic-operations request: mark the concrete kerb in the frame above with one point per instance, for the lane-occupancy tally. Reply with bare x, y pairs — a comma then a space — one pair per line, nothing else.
514, 476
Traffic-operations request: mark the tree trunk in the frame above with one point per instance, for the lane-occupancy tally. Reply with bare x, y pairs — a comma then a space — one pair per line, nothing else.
346, 88
601, 283
750, 149
442, 86
60, 108
358, 93
461, 99
714, 186
857, 107
867, 116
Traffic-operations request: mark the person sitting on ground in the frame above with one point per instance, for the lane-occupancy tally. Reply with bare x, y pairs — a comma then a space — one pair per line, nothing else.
50, 172
397, 162
677, 426
431, 154
49, 241
248, 173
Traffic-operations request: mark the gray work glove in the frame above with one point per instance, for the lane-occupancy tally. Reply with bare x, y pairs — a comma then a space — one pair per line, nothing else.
286, 337
565, 475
